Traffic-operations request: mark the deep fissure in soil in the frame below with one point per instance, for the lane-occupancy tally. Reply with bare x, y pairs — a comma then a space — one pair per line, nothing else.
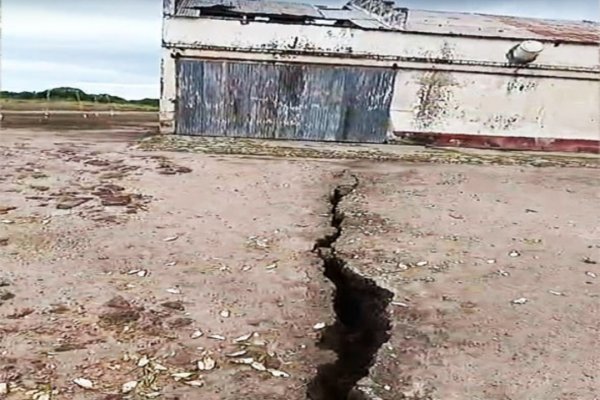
362, 324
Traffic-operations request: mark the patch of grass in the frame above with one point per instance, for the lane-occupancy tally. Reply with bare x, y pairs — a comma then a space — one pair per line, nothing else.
70, 105
71, 99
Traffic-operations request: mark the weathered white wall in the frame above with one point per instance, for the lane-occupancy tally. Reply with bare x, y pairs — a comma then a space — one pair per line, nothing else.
454, 85
262, 36
466, 103
168, 92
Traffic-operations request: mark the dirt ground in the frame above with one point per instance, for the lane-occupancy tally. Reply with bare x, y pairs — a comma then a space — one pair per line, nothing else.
181, 272
495, 277
78, 120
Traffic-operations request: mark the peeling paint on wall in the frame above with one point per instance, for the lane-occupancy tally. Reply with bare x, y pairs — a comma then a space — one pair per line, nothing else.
520, 85
231, 35
434, 98
448, 52
501, 122
539, 119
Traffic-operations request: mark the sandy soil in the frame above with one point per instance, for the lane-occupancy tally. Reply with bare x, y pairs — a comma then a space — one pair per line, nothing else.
174, 271
220, 246
495, 275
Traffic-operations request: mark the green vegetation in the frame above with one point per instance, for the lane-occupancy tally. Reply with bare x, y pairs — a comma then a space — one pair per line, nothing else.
65, 98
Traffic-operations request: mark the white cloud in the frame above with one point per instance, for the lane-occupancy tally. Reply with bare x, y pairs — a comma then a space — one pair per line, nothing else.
50, 67
97, 45
113, 45
83, 29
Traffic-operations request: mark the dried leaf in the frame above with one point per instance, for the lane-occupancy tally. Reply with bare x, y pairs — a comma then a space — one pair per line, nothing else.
237, 353
225, 313
278, 374
129, 386
158, 367
258, 366
196, 383
207, 364
402, 267
521, 300
174, 290
197, 333
243, 338
216, 337
319, 326
247, 361
143, 361
84, 383
182, 375
171, 238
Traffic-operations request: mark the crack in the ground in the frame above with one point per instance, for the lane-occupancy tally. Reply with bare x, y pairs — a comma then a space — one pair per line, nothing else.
362, 323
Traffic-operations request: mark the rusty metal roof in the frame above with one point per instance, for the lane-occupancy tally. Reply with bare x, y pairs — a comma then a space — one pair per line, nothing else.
495, 26
385, 15
253, 7
278, 10
575, 31
467, 24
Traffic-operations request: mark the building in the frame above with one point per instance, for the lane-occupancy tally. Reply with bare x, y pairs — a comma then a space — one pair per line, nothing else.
374, 72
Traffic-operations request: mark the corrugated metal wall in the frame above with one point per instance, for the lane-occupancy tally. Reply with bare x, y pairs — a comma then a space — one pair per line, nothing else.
288, 101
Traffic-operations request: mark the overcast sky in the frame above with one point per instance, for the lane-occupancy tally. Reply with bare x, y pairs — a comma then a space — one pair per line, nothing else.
113, 46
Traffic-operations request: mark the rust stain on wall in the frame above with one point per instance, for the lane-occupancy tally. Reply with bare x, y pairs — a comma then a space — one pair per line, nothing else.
489, 141
445, 54
434, 97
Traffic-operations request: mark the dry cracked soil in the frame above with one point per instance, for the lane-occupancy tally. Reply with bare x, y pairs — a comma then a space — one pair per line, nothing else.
130, 271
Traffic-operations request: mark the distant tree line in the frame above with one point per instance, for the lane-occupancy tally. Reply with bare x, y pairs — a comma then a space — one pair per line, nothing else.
73, 94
